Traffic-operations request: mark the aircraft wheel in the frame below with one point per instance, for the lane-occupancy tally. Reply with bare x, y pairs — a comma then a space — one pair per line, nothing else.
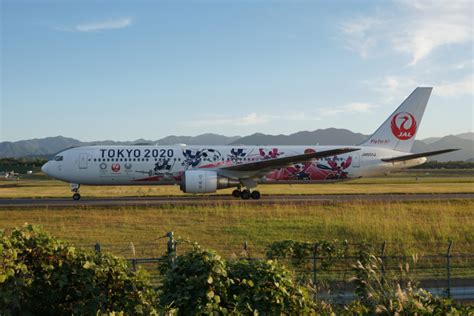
245, 195
236, 193
76, 196
255, 195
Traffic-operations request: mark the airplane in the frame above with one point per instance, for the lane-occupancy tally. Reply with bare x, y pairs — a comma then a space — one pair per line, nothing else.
206, 169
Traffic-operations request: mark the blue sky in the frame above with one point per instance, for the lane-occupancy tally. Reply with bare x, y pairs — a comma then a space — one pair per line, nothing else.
125, 70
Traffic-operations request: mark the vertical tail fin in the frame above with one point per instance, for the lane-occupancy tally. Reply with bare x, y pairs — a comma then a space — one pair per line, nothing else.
399, 130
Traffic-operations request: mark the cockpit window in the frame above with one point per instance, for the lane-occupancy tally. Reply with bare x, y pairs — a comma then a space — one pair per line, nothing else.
58, 158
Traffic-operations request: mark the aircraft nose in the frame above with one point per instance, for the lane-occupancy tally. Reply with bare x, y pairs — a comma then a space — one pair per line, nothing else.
45, 168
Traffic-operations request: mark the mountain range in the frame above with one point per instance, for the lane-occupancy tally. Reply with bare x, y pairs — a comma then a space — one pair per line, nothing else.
47, 147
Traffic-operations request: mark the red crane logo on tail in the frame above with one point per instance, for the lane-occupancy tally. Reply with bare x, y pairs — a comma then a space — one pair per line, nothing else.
403, 125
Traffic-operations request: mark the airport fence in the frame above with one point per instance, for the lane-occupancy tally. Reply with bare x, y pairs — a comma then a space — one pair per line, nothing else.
328, 268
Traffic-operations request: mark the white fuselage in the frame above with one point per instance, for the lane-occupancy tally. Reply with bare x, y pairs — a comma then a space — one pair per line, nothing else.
160, 165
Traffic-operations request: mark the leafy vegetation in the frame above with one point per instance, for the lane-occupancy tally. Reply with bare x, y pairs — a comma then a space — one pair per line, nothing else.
434, 164
200, 281
197, 282
266, 287
298, 252
21, 165
42, 275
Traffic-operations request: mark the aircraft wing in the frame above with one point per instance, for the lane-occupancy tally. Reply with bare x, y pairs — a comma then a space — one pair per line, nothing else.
420, 155
264, 166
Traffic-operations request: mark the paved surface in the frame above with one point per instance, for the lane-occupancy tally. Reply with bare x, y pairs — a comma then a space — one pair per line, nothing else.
219, 199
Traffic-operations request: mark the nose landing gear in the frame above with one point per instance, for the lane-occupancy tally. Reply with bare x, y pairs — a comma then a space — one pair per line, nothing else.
246, 194
75, 189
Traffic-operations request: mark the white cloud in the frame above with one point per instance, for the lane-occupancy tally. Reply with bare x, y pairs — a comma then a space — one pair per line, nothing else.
104, 25
350, 108
111, 24
393, 87
461, 87
391, 83
439, 24
359, 35
416, 29
463, 64
396, 88
251, 119
358, 107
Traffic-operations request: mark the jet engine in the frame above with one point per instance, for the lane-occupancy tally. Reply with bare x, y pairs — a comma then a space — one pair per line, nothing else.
205, 181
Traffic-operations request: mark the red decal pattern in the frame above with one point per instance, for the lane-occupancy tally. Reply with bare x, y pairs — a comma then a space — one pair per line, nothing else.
334, 168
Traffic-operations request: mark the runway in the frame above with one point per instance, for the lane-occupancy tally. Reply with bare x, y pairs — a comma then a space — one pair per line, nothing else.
220, 199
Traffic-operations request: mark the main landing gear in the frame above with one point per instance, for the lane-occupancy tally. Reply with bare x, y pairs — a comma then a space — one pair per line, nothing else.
246, 194
75, 190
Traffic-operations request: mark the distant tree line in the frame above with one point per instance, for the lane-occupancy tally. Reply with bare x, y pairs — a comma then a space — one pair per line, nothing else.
434, 164
21, 165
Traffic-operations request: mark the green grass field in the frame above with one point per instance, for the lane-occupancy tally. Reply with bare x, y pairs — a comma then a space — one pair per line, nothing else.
411, 226
421, 226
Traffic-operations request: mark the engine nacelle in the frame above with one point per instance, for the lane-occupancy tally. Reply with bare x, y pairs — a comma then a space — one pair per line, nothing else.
205, 181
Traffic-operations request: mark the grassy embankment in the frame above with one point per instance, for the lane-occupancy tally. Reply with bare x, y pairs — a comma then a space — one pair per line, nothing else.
417, 225
423, 226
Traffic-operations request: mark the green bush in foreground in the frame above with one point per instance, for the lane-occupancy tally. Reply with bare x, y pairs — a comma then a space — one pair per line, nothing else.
266, 287
41, 275
197, 282
200, 281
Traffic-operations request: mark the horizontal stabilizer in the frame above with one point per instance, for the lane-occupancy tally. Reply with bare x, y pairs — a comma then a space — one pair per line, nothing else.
287, 161
420, 155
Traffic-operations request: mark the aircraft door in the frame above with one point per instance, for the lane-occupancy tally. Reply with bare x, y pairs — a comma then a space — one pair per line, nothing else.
83, 161
355, 160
